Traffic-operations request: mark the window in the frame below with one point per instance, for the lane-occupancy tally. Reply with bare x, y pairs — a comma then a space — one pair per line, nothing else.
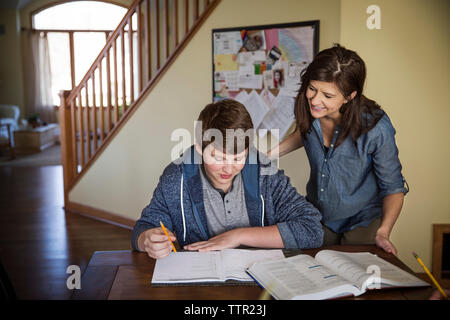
82, 26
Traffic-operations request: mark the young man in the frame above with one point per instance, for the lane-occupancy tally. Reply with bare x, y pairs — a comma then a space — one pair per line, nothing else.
224, 194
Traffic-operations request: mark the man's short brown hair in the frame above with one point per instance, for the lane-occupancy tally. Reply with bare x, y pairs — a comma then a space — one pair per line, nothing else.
232, 120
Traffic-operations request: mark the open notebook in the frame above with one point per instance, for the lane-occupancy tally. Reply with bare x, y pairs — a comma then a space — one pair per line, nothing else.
213, 266
331, 274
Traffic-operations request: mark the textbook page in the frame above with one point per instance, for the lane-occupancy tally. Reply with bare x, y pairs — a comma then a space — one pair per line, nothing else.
344, 266
390, 275
368, 270
185, 267
236, 261
301, 277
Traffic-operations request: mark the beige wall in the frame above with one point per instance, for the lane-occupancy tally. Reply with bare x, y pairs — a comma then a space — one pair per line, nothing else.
11, 88
408, 74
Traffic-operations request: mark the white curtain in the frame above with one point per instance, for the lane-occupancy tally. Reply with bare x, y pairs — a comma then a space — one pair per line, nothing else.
41, 101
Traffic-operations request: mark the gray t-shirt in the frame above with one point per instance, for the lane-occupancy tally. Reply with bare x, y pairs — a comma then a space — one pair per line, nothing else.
224, 211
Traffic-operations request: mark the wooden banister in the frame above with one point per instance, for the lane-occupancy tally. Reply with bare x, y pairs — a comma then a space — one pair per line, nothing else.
65, 120
114, 35
121, 75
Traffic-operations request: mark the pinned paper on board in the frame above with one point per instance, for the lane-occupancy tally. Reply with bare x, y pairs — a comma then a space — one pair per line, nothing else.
271, 38
225, 62
253, 81
261, 66
227, 42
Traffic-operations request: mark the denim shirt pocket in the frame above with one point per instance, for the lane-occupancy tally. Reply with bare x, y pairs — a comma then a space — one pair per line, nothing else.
350, 168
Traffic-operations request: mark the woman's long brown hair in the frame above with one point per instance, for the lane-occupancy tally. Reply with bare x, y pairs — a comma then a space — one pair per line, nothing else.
348, 71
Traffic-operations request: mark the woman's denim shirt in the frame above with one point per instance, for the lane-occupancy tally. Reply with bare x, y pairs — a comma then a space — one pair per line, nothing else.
348, 183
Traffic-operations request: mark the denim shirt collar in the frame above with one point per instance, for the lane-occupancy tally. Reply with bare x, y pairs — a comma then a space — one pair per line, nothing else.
318, 130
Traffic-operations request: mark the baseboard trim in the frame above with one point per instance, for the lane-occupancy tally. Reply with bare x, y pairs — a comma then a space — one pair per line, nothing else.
100, 215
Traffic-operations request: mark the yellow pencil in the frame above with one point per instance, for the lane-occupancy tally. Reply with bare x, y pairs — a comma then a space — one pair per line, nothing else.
430, 275
167, 234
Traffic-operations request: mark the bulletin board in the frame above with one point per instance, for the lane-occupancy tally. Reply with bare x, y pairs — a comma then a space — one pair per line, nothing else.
260, 66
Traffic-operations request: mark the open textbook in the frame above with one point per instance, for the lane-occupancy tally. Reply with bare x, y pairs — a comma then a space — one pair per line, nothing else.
213, 266
331, 274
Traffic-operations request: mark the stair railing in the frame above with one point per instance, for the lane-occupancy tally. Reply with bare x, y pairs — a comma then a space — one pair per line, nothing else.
148, 39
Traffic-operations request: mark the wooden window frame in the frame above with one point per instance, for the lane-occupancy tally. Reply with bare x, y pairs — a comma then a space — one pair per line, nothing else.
70, 33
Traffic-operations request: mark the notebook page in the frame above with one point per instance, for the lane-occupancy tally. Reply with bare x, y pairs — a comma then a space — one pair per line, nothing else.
236, 261
299, 276
188, 267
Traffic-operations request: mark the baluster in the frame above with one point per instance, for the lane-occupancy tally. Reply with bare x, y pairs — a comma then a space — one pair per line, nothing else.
88, 122
73, 116
186, 17
81, 111
94, 111
108, 89
148, 40
156, 26
130, 35
195, 10
124, 88
139, 42
102, 112
116, 83
175, 24
166, 29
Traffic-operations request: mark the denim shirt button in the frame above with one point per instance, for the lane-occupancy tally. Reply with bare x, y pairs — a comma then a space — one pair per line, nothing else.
323, 175
332, 145
325, 160
321, 190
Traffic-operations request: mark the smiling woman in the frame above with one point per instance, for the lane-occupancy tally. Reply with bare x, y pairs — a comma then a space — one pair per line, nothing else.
356, 180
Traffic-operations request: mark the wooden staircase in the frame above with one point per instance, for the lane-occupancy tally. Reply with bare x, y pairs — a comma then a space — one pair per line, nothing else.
136, 55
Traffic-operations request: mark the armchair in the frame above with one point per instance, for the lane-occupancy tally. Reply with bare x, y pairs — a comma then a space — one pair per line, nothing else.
9, 121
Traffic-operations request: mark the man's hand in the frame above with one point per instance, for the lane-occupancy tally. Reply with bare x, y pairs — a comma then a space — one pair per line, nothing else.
226, 240
155, 243
382, 241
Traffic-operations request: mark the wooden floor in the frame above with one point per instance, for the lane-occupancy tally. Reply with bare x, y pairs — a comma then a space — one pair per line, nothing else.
38, 240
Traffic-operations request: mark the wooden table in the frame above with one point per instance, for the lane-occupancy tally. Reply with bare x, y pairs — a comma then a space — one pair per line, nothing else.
128, 274
35, 140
